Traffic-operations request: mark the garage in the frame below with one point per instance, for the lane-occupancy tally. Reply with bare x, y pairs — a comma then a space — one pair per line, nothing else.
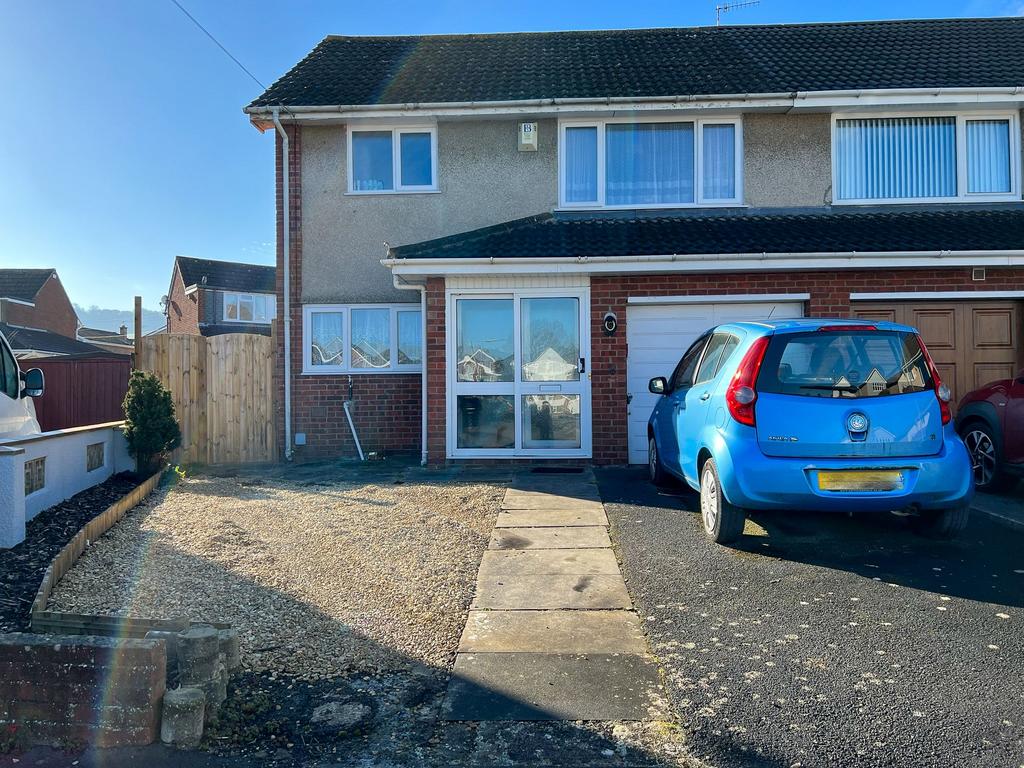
972, 342
658, 331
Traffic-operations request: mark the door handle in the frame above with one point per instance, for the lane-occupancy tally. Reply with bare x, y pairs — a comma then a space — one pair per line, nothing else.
583, 365
705, 396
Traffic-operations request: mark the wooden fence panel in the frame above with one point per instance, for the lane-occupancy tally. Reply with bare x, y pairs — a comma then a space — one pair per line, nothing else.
81, 391
223, 393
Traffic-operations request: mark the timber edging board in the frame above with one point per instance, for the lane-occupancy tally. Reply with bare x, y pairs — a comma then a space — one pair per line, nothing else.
89, 533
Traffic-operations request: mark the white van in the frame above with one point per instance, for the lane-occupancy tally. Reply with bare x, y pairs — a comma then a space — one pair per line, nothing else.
17, 412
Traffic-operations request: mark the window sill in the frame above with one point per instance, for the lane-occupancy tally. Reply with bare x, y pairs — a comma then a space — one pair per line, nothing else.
930, 200
362, 371
658, 207
385, 192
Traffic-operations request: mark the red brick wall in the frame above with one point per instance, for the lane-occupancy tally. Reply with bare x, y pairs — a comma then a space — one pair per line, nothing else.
183, 310
52, 311
63, 690
830, 296
386, 406
437, 403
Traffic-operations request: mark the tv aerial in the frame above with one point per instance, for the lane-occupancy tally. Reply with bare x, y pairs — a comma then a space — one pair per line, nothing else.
725, 8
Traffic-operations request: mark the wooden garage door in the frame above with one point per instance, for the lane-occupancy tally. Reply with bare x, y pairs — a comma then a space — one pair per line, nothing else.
972, 343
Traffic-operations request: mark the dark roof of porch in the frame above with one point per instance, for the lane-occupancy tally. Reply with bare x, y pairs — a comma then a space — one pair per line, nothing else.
690, 232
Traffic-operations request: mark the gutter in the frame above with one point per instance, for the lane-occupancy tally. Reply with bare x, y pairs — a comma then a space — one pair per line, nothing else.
286, 248
404, 286
784, 99
710, 262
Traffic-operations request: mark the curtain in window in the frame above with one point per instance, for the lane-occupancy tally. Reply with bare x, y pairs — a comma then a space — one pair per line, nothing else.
719, 162
327, 341
988, 156
899, 157
581, 165
648, 163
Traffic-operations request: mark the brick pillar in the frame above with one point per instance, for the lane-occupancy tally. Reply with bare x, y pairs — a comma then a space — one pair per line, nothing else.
434, 370
295, 264
608, 372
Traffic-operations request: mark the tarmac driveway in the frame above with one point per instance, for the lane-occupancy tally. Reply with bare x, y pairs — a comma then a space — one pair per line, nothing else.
821, 640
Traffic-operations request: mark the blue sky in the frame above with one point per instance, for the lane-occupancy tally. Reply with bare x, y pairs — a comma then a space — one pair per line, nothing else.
124, 143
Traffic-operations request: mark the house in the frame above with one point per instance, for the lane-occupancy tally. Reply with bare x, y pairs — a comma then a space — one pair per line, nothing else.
214, 297
572, 209
33, 343
35, 298
109, 341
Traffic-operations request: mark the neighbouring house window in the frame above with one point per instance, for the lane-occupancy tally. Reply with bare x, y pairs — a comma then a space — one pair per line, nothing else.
35, 475
249, 307
94, 455
361, 338
925, 158
619, 163
401, 159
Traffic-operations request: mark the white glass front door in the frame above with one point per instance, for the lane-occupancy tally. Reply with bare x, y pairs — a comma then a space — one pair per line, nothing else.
518, 378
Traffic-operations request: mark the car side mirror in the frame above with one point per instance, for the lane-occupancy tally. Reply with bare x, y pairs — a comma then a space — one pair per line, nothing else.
34, 382
658, 385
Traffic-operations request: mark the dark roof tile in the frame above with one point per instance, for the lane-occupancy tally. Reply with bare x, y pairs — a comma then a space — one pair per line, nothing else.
46, 341
22, 284
638, 63
227, 275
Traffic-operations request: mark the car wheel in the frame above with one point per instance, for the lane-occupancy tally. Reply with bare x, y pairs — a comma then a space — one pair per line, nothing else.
655, 469
723, 522
944, 523
984, 453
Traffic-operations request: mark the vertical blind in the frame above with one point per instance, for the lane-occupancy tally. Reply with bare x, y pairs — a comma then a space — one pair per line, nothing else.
648, 163
581, 165
719, 161
988, 156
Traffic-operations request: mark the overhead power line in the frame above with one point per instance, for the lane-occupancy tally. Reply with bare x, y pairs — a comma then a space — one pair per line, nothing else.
219, 44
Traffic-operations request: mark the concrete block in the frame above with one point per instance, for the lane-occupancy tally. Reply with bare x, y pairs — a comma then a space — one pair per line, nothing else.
198, 655
216, 692
552, 632
565, 537
230, 648
548, 518
183, 714
513, 563
515, 499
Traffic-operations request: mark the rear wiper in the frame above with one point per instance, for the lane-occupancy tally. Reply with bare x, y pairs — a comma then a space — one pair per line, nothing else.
831, 387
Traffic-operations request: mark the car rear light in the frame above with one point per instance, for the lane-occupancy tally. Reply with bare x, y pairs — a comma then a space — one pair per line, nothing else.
742, 394
848, 328
942, 393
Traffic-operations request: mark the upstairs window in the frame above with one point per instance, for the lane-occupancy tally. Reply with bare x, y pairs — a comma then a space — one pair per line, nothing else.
926, 158
248, 308
650, 164
392, 160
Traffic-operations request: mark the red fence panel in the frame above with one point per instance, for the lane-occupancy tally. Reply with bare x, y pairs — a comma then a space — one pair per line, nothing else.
81, 391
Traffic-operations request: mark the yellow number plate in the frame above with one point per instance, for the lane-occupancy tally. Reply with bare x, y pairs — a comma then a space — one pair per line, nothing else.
860, 480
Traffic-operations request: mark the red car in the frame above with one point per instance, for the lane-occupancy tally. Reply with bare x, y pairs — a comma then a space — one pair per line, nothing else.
991, 422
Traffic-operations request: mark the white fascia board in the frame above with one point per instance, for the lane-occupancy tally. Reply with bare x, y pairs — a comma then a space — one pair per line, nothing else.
796, 100
729, 298
17, 301
901, 295
190, 289
715, 262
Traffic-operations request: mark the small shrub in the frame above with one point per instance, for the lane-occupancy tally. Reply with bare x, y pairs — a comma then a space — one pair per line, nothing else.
151, 428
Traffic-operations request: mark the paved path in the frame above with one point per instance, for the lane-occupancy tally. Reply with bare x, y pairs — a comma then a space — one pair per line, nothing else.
552, 634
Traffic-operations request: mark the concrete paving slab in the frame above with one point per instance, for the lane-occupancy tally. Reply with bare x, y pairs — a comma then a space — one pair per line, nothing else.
526, 686
565, 591
552, 632
513, 563
520, 500
566, 537
547, 518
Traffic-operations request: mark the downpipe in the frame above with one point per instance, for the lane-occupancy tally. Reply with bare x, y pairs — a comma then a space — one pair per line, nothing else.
423, 374
351, 425
286, 248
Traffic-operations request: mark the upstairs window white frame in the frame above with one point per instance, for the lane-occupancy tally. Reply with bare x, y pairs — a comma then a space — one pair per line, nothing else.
237, 300
700, 199
346, 366
396, 131
962, 193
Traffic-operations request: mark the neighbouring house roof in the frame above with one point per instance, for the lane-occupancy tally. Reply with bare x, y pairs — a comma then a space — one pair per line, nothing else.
663, 233
647, 63
39, 341
97, 336
22, 284
227, 275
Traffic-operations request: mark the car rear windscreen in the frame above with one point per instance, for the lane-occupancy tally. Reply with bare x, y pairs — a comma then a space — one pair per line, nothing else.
844, 363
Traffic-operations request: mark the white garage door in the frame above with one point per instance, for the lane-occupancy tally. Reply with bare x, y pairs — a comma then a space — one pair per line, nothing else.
658, 334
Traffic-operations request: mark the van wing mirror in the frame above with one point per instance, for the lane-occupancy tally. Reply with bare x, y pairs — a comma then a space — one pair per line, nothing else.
34, 383
658, 385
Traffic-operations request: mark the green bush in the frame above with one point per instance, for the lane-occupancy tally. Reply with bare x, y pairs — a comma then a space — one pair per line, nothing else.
150, 428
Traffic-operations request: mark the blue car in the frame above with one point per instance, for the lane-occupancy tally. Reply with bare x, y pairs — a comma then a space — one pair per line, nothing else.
817, 415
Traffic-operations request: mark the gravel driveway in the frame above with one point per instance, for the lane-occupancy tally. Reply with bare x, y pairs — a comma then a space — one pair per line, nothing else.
320, 577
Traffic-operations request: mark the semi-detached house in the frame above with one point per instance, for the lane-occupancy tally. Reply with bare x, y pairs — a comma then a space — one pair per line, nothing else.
573, 208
